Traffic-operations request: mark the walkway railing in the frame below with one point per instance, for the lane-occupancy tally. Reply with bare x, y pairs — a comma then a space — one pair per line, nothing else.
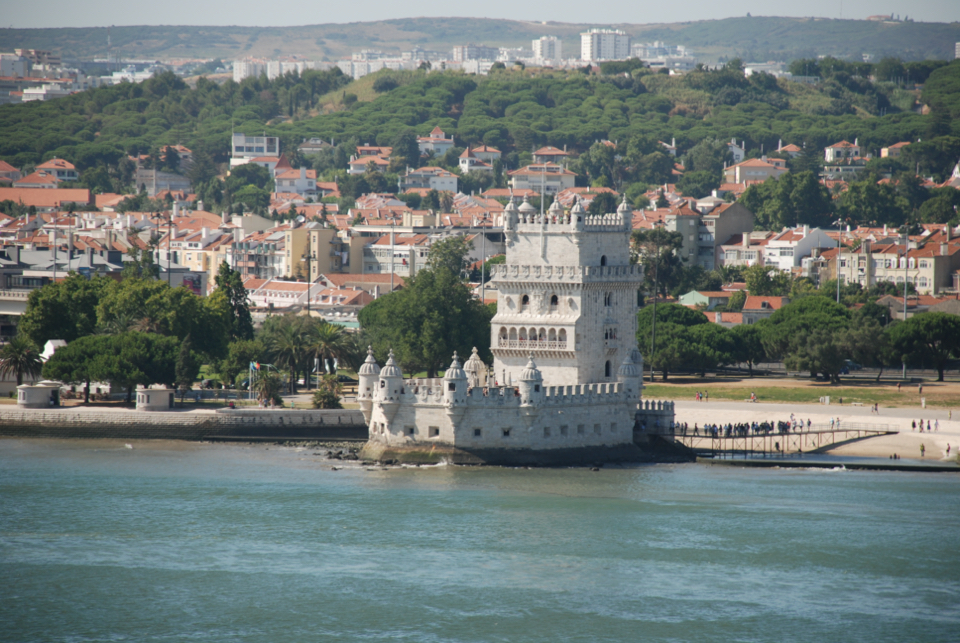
776, 443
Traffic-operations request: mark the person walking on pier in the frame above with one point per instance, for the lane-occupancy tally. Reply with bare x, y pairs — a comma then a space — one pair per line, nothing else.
923, 450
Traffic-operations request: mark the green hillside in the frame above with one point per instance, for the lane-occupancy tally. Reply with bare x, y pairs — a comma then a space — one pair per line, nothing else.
756, 38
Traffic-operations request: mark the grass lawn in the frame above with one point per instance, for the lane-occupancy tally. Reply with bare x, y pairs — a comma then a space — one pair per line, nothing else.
941, 395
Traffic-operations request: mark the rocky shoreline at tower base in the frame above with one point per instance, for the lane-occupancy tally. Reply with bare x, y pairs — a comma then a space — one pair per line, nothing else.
576, 456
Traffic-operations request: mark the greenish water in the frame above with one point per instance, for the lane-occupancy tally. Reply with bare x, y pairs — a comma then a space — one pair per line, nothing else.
181, 542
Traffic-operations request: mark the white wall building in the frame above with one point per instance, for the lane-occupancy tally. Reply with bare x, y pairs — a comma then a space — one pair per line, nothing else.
244, 148
604, 44
547, 48
248, 68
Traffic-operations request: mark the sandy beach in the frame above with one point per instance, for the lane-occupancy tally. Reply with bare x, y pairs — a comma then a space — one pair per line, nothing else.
906, 443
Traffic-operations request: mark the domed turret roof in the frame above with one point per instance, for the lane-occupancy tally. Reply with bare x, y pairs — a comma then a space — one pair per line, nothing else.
390, 369
628, 369
556, 208
474, 364
369, 366
530, 372
625, 207
511, 206
577, 208
526, 208
455, 372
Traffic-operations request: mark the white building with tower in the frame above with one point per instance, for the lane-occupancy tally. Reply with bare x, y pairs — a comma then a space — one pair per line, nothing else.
566, 381
604, 44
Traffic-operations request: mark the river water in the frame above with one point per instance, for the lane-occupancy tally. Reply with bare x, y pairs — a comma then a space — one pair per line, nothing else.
184, 542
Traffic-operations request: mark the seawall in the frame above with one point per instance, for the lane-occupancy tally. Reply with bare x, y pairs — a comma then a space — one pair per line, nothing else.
235, 424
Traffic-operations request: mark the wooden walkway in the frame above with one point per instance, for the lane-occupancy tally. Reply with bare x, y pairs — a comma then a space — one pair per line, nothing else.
816, 439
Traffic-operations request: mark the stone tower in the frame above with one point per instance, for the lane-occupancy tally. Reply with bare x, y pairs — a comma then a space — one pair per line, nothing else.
567, 295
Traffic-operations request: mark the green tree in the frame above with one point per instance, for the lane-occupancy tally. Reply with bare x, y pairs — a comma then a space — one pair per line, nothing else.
286, 340
450, 254
20, 358
698, 184
63, 310
603, 203
928, 339
794, 199
78, 362
187, 368
240, 354
748, 345
767, 281
328, 342
175, 312
795, 332
429, 319
327, 395
230, 283
406, 150
267, 388
674, 348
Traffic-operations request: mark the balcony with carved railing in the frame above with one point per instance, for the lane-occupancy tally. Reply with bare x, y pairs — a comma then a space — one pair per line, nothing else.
533, 345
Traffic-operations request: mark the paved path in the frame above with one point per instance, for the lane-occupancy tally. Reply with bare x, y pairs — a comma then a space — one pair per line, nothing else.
906, 443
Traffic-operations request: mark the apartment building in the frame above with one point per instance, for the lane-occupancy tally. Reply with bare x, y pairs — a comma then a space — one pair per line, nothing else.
547, 178
547, 49
604, 44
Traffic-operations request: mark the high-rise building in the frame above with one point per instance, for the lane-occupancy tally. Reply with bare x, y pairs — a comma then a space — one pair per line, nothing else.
247, 68
463, 53
956, 51
547, 48
604, 44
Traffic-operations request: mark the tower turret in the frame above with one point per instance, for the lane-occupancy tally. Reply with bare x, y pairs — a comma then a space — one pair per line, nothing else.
626, 213
510, 217
576, 215
455, 389
555, 212
531, 384
389, 390
527, 211
475, 370
630, 377
368, 375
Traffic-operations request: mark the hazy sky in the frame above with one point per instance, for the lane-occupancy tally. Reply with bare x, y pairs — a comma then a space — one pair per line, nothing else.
71, 13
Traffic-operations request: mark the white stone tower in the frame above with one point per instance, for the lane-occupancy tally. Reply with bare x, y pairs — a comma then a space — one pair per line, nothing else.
567, 295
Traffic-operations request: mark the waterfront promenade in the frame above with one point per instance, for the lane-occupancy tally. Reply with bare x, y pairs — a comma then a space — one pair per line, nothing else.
906, 443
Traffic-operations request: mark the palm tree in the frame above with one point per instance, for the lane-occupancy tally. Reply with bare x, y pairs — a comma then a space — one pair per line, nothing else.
328, 341
287, 347
267, 387
20, 357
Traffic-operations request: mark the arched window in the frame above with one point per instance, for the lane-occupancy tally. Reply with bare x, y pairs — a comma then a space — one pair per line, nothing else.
603, 260
513, 334
523, 334
542, 335
608, 299
524, 302
554, 303
606, 369
503, 333
562, 336
552, 335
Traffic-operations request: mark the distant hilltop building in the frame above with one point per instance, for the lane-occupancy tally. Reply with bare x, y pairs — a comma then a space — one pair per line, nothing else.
566, 381
604, 44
